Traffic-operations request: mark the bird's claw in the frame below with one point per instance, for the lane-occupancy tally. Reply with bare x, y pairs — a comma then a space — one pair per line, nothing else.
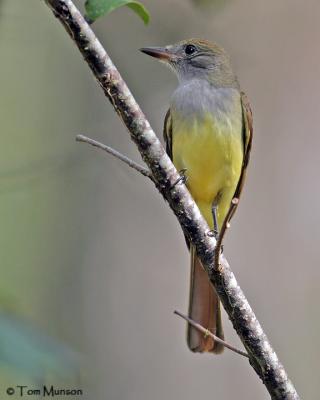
213, 233
182, 179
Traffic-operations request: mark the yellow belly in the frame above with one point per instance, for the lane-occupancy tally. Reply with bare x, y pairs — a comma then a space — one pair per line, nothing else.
212, 153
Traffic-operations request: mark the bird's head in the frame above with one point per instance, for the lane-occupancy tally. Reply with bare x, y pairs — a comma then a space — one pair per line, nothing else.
196, 59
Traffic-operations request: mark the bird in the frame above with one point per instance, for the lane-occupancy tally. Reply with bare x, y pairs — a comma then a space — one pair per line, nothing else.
208, 136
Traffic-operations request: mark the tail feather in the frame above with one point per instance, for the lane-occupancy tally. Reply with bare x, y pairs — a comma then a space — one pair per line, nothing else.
204, 308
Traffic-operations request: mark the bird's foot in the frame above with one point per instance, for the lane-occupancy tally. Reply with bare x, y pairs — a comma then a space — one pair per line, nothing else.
182, 179
213, 233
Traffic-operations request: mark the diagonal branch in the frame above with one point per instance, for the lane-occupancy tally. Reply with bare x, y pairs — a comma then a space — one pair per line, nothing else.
206, 332
261, 355
144, 171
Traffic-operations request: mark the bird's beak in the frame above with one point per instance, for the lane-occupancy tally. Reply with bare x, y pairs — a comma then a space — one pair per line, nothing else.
162, 53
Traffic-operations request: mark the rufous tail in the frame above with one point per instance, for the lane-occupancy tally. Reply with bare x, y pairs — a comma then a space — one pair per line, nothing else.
204, 308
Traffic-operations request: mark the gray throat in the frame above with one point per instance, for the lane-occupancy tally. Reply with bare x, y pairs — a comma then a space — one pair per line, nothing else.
197, 97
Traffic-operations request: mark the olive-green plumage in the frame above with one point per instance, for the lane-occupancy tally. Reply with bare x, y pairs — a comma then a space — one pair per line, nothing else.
208, 133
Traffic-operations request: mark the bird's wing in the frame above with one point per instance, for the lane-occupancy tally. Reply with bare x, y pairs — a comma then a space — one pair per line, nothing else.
247, 128
167, 133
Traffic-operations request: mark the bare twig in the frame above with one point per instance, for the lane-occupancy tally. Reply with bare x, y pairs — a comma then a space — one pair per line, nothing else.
261, 355
116, 154
223, 230
206, 332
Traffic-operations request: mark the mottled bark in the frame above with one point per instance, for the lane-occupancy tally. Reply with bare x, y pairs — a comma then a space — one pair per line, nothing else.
261, 355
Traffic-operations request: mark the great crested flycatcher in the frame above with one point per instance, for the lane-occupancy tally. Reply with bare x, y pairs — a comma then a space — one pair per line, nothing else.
208, 133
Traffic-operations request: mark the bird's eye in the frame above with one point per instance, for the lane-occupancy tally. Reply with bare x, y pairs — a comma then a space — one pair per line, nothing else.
190, 49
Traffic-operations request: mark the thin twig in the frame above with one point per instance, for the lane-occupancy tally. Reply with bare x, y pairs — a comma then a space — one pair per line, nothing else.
223, 230
206, 332
116, 154
263, 358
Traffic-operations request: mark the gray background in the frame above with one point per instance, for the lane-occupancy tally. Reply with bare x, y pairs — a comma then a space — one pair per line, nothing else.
91, 255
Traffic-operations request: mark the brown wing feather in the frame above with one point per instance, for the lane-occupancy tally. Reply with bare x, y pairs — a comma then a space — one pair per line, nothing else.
167, 133
247, 144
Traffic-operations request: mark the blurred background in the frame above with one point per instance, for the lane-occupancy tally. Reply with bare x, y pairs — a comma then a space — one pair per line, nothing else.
93, 262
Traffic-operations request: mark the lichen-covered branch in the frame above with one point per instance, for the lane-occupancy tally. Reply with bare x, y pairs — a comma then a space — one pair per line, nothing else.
261, 355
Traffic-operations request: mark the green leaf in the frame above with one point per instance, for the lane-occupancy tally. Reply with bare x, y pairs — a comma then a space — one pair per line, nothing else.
97, 8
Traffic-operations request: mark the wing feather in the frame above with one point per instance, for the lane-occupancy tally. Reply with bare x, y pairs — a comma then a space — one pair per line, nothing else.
167, 133
247, 126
